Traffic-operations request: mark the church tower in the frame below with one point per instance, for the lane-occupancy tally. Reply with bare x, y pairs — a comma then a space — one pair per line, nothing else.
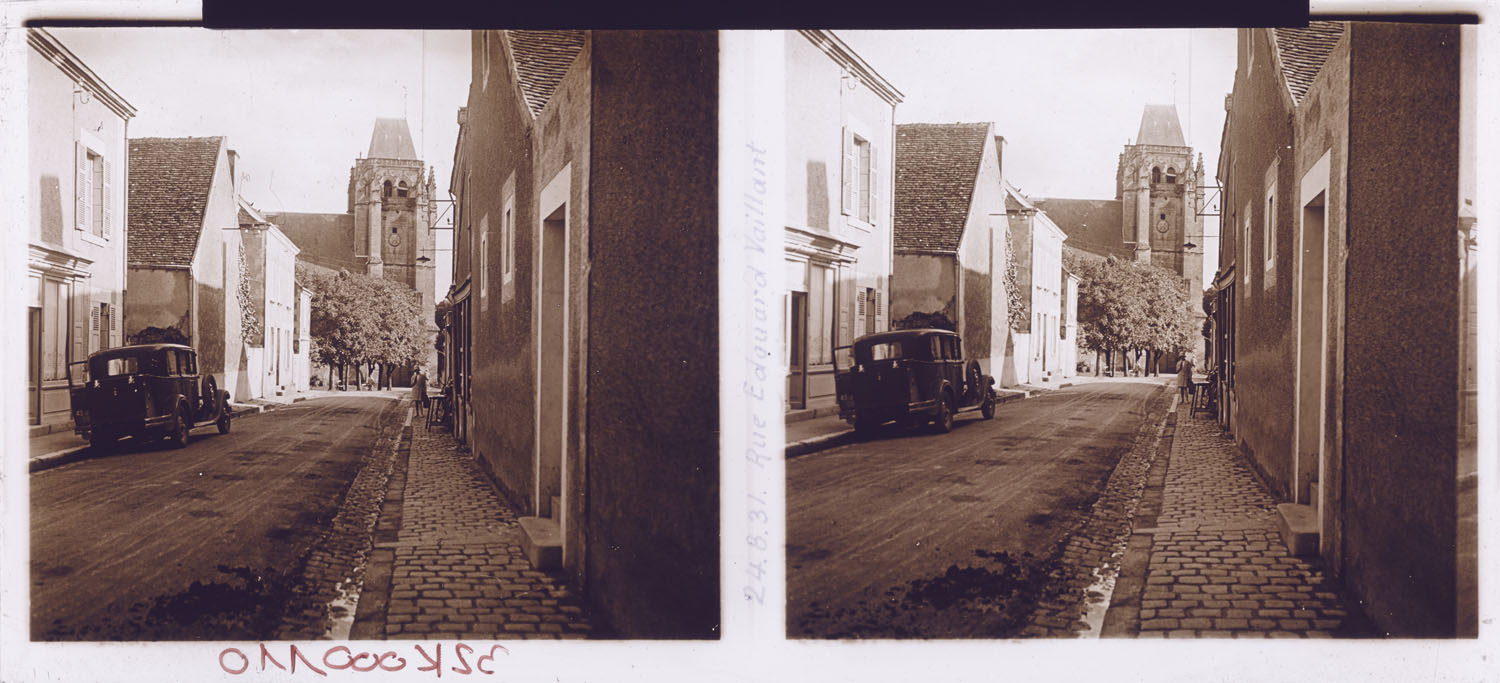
393, 207
1160, 190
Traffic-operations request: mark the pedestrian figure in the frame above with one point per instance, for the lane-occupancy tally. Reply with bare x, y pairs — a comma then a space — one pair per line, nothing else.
1185, 377
419, 390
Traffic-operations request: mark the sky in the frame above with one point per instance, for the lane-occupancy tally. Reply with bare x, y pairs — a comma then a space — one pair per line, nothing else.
1066, 101
299, 106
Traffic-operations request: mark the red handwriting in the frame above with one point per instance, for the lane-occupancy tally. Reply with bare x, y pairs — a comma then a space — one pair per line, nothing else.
340, 658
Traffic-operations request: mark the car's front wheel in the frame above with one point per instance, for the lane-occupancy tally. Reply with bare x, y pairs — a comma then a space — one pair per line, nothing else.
865, 427
223, 422
987, 409
101, 442
943, 422
177, 430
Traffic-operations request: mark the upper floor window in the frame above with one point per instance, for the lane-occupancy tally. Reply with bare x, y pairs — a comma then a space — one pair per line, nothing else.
1246, 268
508, 243
92, 192
484, 262
1268, 238
1155, 174
860, 187
385, 189
1172, 175
401, 189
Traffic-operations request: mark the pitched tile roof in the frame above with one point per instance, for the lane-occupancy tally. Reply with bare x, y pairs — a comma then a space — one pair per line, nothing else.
391, 139
1160, 126
542, 59
937, 165
1092, 225
1303, 51
325, 239
170, 179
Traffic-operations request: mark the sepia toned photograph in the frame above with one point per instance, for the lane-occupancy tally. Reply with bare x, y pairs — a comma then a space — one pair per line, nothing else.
371, 334
770, 354
1132, 334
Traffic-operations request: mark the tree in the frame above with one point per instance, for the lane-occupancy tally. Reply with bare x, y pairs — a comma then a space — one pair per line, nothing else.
364, 323
1129, 307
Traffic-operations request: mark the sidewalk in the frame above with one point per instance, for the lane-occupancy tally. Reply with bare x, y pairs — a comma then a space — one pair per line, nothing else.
1213, 563
455, 568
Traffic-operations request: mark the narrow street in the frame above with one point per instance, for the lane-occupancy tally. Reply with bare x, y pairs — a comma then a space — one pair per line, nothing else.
207, 542
916, 534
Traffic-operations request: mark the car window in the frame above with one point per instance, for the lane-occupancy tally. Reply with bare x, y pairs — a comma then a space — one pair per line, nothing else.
884, 351
154, 364
937, 347
113, 367
192, 362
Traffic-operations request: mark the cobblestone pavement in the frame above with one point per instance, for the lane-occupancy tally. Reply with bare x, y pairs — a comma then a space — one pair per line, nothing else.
1091, 556
459, 571
1218, 567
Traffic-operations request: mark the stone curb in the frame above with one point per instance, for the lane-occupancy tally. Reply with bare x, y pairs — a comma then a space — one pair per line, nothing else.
823, 442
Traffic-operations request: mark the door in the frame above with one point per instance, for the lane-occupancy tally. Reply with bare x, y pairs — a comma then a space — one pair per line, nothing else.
796, 379
552, 358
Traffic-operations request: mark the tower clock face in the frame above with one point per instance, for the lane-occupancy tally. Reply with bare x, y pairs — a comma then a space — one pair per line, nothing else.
395, 239
1161, 225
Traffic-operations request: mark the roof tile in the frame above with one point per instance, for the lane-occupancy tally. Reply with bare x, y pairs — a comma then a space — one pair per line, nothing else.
937, 165
1303, 52
170, 179
542, 59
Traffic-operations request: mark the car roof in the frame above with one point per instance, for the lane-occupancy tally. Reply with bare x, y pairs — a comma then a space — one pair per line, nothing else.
121, 351
901, 335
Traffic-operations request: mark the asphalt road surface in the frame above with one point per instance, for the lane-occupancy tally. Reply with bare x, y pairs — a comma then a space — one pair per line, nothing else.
916, 534
199, 543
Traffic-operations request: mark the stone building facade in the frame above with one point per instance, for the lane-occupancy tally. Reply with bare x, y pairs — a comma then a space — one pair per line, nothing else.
388, 229
582, 339
184, 255
76, 221
950, 236
1347, 167
1155, 215
839, 147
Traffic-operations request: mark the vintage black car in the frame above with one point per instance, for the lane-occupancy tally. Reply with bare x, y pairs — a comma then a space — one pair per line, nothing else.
911, 376
150, 390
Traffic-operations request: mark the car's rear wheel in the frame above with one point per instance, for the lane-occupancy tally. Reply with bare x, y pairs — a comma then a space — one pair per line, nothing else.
943, 422
866, 427
101, 442
177, 431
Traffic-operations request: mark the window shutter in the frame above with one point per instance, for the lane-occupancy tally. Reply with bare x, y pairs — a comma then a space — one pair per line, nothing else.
80, 337
874, 186
849, 184
107, 202
114, 323
93, 329
860, 311
81, 187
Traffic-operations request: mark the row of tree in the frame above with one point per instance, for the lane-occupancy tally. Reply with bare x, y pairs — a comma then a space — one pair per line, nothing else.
368, 325
1135, 310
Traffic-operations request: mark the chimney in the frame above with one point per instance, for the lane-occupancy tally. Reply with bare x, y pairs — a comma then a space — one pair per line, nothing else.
234, 176
1000, 155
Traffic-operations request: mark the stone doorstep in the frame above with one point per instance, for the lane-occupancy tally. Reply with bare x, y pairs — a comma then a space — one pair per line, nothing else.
541, 540
1298, 525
